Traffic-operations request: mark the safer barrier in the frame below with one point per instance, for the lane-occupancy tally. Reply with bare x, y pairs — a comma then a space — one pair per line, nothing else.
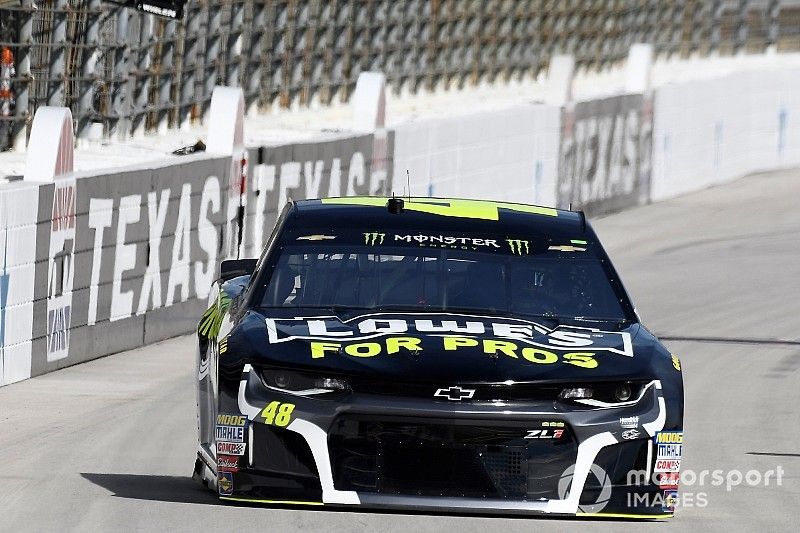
709, 132
125, 258
98, 263
604, 163
344, 165
509, 155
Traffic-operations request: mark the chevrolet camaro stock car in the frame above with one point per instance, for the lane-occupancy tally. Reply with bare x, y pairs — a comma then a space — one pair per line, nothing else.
435, 354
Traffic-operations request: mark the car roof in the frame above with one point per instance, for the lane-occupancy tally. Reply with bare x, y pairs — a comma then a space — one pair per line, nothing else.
431, 214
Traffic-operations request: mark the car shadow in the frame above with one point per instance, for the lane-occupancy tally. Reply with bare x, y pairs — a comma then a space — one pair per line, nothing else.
184, 489
179, 489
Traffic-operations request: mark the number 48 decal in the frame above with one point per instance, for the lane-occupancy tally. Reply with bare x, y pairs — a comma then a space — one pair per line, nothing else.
278, 414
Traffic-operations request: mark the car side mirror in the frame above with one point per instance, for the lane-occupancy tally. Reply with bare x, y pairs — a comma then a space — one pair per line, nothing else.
233, 268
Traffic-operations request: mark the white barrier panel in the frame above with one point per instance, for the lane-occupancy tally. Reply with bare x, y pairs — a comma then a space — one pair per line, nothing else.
226, 137
560, 75
225, 120
508, 155
50, 146
369, 102
638, 68
19, 207
709, 132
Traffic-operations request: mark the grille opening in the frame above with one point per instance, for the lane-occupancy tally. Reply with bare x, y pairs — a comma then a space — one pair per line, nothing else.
428, 457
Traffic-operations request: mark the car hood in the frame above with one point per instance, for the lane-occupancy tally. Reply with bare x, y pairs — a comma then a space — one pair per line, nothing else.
443, 347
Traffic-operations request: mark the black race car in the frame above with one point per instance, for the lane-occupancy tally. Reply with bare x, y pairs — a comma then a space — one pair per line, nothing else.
439, 354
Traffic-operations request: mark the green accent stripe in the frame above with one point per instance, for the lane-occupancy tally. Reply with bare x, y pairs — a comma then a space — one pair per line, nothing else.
623, 515
447, 207
211, 320
279, 502
578, 241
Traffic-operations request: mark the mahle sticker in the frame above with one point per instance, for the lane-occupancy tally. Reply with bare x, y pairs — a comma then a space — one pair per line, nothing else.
229, 433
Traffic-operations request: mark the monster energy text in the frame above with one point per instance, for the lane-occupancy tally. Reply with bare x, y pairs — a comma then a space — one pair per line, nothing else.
442, 241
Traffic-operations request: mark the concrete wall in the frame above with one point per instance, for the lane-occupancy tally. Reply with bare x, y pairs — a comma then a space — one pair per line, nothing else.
19, 204
125, 258
342, 166
604, 162
94, 264
102, 262
509, 155
709, 132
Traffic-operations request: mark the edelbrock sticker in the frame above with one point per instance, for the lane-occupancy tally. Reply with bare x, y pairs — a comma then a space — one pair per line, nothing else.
228, 463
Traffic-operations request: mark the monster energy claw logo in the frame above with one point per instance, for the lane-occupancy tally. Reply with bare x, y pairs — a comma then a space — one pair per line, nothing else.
374, 238
517, 246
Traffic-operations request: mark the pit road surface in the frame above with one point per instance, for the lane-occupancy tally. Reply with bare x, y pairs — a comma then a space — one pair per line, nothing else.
109, 445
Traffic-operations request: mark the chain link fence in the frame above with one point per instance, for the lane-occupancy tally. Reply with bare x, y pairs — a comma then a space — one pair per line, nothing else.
124, 73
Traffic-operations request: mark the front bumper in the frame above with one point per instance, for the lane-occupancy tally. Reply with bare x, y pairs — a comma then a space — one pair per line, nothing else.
402, 453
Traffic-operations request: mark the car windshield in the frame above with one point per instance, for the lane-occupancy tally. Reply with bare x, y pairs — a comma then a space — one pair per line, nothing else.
482, 275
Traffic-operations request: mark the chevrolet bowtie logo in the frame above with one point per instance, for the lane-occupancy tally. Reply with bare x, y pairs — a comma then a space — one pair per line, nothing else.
374, 238
455, 393
518, 247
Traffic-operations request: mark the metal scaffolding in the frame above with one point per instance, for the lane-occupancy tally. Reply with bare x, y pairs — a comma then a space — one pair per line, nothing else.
124, 73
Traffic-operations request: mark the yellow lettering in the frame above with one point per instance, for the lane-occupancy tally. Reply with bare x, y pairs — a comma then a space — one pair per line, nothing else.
453, 343
669, 438
491, 347
581, 359
536, 355
363, 349
318, 349
393, 344
230, 420
480, 209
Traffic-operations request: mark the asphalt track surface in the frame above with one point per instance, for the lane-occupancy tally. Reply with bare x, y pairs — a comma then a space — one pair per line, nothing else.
109, 445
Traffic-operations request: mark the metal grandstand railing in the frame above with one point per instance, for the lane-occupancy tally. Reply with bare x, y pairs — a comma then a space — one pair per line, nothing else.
125, 73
